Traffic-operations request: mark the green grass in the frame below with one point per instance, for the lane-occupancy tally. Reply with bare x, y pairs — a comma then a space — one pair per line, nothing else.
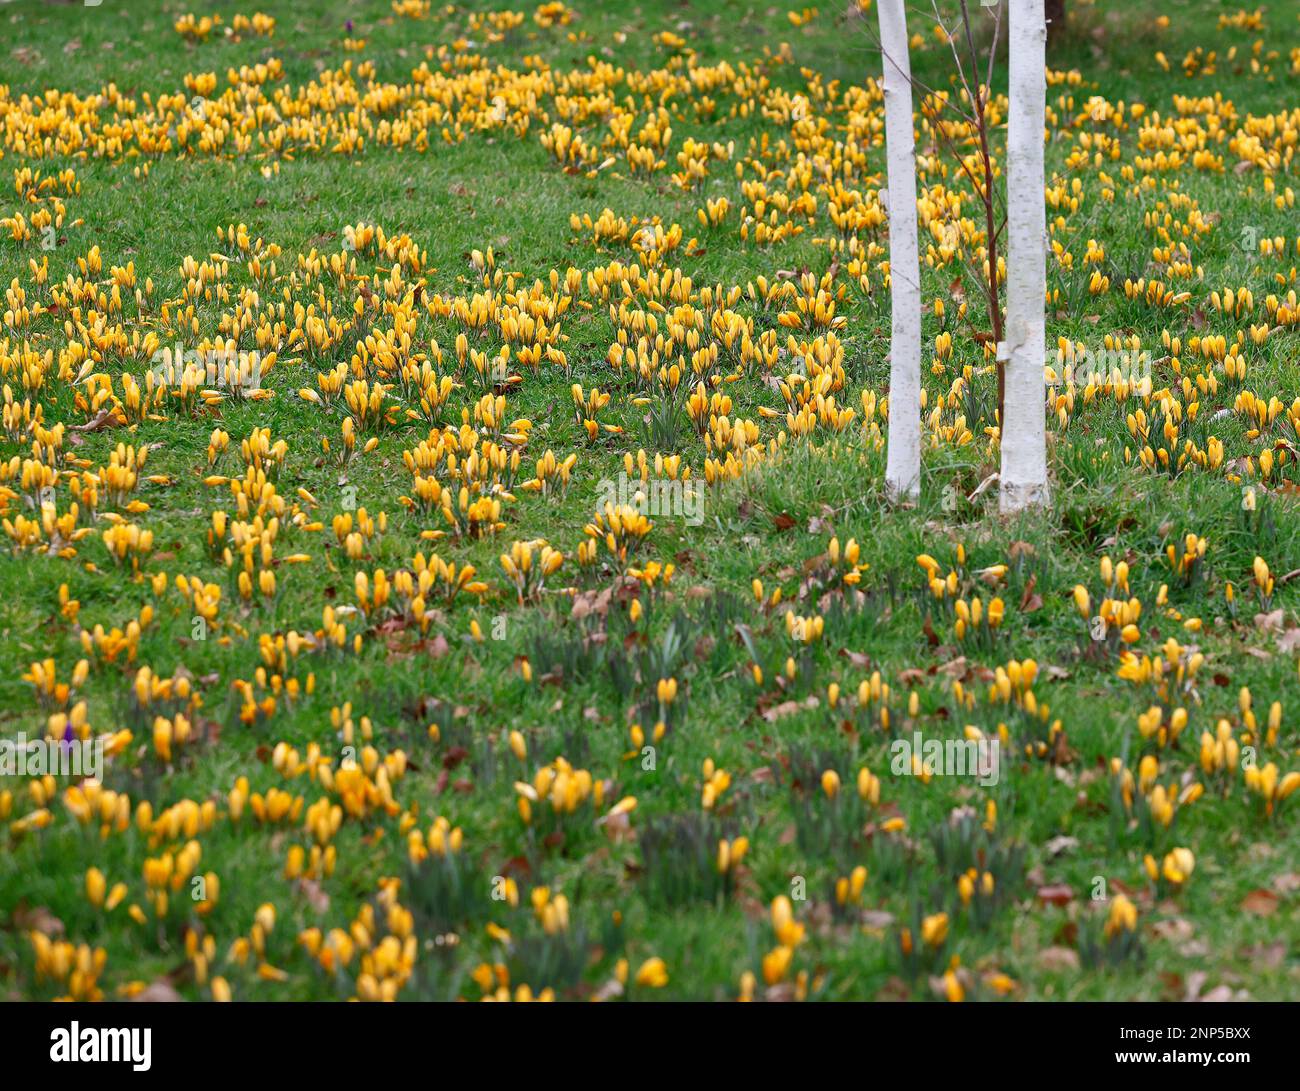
593, 678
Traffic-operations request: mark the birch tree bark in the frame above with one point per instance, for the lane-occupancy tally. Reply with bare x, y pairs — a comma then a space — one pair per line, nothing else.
903, 466
1023, 431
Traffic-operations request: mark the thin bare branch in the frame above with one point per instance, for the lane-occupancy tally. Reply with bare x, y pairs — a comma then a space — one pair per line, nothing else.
993, 49
919, 85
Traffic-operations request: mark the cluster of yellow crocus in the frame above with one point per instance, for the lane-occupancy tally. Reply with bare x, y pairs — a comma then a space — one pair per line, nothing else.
562, 787
848, 889
972, 883
789, 934
1219, 751
974, 620
1263, 583
1177, 867
1269, 785
731, 853
1162, 802
1154, 724
850, 560
98, 894
527, 575
1122, 918
76, 966
947, 586
716, 781
619, 528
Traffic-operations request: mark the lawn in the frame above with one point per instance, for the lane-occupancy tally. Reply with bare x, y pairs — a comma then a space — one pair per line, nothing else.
332, 329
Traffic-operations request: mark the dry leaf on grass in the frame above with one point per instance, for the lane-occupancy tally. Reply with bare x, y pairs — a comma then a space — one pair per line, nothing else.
1058, 958
1263, 903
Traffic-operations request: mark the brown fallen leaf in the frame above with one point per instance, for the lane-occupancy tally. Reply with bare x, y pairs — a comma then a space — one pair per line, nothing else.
105, 418
1174, 929
1058, 958
939, 985
894, 990
786, 708
1055, 894
611, 990
1263, 903
1288, 643
955, 668
36, 919
616, 825
1173, 986
591, 602
1067, 935
1267, 955
818, 525
1220, 994
1030, 601
315, 895
158, 992
1270, 622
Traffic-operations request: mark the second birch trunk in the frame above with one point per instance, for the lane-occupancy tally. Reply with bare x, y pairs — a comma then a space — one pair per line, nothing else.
1023, 429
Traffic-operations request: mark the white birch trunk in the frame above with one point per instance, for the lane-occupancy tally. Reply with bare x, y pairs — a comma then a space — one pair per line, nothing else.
903, 468
1024, 439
